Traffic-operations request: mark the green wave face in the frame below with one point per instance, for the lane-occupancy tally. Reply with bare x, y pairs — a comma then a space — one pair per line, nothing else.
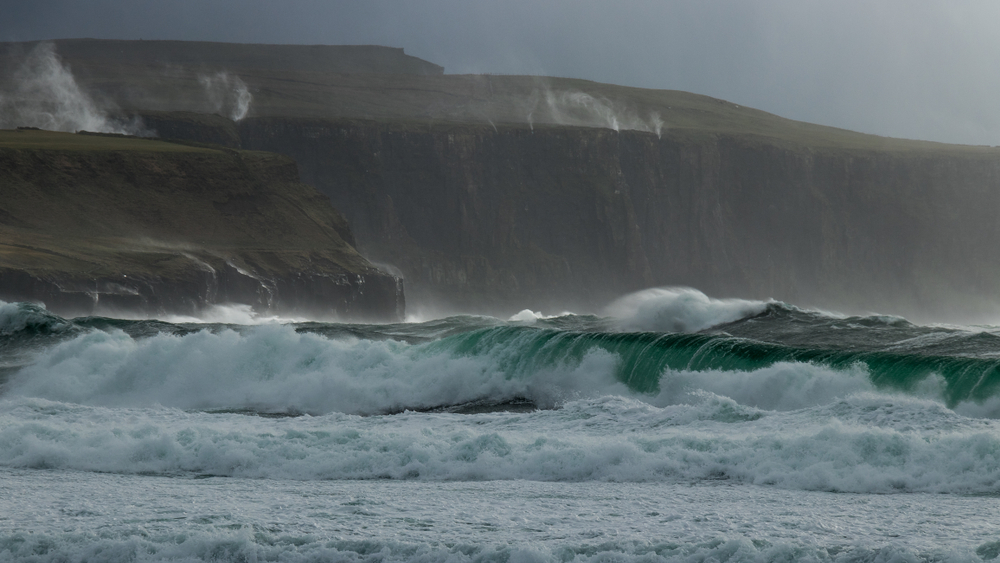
895, 354
644, 357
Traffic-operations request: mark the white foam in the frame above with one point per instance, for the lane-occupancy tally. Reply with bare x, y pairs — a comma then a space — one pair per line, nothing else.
79, 516
678, 309
989, 408
272, 367
231, 313
834, 448
782, 386
103, 401
527, 316
243, 546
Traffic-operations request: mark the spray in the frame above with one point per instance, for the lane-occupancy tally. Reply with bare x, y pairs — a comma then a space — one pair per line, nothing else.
44, 94
227, 94
657, 122
584, 110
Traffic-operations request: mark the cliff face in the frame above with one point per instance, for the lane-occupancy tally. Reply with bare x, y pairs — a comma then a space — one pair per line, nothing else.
555, 217
474, 219
93, 224
493, 193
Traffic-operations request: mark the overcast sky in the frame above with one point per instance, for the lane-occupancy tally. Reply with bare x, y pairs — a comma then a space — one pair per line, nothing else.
926, 69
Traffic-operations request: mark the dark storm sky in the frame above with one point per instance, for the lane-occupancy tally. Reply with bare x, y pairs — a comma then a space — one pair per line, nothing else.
906, 68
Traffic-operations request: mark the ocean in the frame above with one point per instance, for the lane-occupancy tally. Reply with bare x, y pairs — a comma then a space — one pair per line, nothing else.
672, 427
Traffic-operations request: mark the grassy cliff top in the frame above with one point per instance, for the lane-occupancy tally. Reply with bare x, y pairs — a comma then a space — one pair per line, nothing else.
532, 101
83, 205
34, 139
96, 53
381, 83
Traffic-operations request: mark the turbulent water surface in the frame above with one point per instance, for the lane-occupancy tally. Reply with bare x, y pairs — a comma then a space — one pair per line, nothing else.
675, 428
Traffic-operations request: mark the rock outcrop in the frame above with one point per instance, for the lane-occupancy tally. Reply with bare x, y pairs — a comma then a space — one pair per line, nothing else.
110, 225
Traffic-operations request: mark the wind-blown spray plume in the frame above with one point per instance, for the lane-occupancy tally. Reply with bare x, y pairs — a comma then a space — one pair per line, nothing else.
44, 94
657, 123
228, 94
582, 109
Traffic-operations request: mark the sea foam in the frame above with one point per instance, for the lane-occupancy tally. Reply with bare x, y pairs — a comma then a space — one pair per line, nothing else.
679, 309
243, 546
176, 404
834, 448
274, 368
278, 369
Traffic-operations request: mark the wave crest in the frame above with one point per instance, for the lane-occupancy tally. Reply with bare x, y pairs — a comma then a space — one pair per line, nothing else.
31, 318
678, 309
273, 368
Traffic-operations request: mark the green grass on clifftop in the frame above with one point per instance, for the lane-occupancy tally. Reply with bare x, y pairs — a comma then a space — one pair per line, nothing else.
33, 139
378, 83
87, 205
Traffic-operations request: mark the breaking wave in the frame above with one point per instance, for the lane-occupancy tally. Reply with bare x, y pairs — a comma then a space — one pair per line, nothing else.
671, 387
678, 309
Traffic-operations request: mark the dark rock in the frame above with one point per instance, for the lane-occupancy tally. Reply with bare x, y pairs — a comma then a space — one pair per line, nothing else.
112, 224
508, 217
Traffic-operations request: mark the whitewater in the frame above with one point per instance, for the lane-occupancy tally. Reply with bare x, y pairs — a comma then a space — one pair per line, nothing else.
672, 427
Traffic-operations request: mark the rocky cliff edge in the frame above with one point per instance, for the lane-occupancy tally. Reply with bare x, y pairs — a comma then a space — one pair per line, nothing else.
95, 224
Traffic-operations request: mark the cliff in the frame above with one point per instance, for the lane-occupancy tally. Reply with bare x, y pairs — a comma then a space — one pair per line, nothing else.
494, 193
112, 224
568, 218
